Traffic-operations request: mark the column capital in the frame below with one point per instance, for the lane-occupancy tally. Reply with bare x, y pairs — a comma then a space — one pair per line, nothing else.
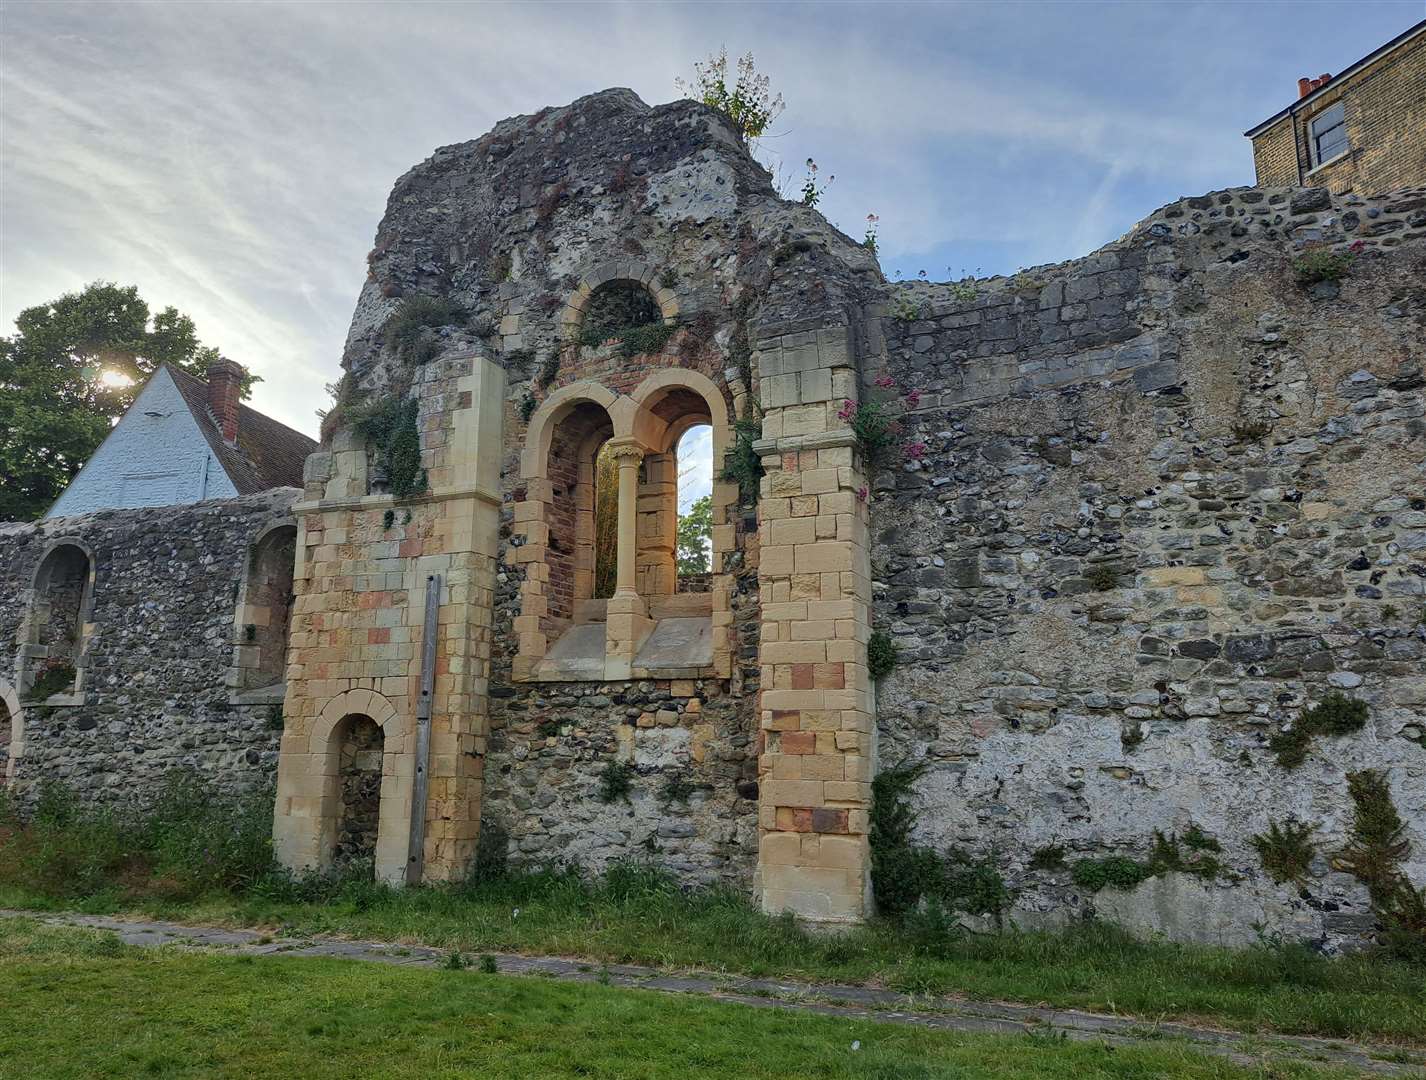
623, 449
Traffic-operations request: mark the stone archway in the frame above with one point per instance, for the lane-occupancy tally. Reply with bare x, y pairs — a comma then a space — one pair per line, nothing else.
11, 733
309, 819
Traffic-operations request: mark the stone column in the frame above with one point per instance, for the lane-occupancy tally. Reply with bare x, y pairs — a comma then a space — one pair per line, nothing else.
814, 574
627, 623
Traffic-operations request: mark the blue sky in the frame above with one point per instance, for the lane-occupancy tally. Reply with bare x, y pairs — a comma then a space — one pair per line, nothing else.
234, 159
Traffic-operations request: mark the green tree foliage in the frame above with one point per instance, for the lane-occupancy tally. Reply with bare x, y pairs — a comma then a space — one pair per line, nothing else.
56, 403
695, 535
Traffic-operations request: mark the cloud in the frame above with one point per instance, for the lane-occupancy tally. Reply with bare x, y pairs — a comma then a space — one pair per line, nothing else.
233, 160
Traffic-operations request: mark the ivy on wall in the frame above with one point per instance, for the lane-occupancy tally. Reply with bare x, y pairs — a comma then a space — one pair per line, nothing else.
390, 426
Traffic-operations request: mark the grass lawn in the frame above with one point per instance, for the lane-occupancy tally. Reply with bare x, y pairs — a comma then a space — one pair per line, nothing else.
1096, 967
79, 1003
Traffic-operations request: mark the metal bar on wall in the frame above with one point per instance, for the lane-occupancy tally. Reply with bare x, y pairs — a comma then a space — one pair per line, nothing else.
416, 858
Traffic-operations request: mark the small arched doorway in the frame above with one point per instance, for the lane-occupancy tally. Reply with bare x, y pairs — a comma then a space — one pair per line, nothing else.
59, 614
360, 754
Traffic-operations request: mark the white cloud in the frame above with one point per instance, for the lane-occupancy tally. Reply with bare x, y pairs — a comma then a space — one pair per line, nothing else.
233, 160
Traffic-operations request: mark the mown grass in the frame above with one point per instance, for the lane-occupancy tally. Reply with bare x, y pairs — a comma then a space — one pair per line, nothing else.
198, 865
78, 1003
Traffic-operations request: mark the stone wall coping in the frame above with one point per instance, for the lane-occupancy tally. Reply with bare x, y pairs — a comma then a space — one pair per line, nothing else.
822, 440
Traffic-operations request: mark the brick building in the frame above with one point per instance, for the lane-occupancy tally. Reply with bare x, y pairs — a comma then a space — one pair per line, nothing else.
1362, 130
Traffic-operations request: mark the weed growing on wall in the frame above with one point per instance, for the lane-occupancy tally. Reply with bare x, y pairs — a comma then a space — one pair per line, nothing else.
811, 190
881, 654
1166, 855
55, 676
1376, 848
616, 782
410, 332
1049, 857
1336, 714
869, 240
1285, 850
745, 98
905, 875
743, 465
877, 423
1321, 263
390, 426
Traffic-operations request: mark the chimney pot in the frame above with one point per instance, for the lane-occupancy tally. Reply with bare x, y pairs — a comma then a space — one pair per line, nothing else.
225, 382
1304, 87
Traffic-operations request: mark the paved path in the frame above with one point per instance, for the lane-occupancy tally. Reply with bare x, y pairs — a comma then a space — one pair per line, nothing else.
884, 1006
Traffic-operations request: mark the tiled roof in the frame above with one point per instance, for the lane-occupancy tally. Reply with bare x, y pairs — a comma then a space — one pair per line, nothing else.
267, 455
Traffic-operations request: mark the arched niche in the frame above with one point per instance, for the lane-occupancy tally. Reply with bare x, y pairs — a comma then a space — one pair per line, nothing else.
351, 728
12, 733
58, 623
263, 617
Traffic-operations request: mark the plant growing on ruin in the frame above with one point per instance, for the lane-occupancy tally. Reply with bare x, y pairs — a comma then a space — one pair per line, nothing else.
1319, 262
616, 782
1376, 848
1335, 714
389, 425
669, 278
812, 191
748, 100
881, 654
528, 404
1285, 850
906, 309
877, 423
742, 464
549, 370
275, 719
677, 788
1049, 857
1166, 855
965, 289
410, 332
54, 676
1103, 576
869, 240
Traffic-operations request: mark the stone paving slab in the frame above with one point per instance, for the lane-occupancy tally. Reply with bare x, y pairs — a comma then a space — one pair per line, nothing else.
938, 1013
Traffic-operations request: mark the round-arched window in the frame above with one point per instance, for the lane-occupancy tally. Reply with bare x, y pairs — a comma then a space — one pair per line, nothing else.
616, 307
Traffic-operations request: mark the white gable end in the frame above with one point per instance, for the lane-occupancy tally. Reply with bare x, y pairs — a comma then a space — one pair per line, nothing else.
155, 456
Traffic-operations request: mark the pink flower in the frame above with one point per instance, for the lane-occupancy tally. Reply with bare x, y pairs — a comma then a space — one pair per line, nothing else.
913, 398
886, 382
916, 451
845, 412
861, 493
1358, 245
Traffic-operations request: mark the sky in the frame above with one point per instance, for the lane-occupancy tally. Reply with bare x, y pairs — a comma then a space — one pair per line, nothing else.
233, 159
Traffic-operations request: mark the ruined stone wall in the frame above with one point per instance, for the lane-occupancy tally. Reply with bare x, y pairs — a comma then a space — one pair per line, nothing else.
158, 653
1171, 497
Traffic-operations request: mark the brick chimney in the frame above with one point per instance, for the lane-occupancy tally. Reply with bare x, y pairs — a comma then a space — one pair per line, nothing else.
1306, 86
225, 381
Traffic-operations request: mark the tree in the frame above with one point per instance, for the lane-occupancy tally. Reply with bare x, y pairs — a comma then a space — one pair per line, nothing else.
749, 102
68, 373
695, 533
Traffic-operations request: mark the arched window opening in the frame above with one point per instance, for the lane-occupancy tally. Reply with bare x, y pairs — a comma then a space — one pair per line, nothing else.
360, 753
694, 549
55, 650
616, 307
572, 554
265, 614
606, 523
7, 736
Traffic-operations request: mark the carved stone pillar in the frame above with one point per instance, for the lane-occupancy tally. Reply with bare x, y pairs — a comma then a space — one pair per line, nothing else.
628, 623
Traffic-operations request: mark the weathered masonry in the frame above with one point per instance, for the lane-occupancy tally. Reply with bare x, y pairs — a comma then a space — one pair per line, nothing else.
1175, 411
1141, 513
146, 640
